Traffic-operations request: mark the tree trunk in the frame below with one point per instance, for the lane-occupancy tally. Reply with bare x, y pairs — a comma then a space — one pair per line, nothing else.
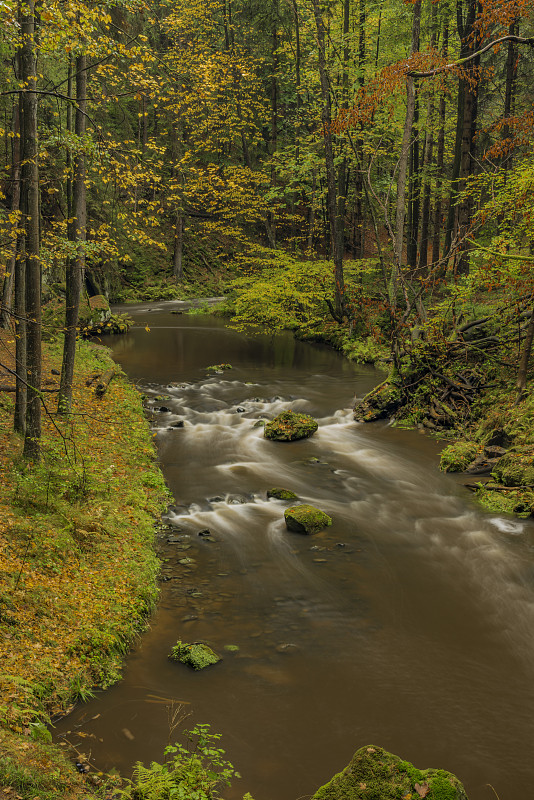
76, 266
403, 162
509, 96
414, 202
521, 383
30, 191
358, 222
342, 170
460, 209
6, 321
436, 239
177, 259
271, 219
428, 155
326, 119
427, 189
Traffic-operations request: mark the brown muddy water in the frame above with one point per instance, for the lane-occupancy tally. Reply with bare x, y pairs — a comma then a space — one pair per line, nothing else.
408, 624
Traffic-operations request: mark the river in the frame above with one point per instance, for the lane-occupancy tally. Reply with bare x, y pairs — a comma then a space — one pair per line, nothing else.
407, 624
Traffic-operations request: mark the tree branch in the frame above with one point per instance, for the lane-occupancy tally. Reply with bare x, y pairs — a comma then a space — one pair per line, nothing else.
508, 38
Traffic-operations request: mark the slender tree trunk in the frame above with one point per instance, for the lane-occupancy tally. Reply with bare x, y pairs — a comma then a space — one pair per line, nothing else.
414, 191
311, 214
177, 259
326, 119
377, 52
76, 266
9, 279
342, 170
509, 96
19, 420
521, 383
427, 188
358, 223
438, 205
30, 190
297, 117
403, 161
460, 209
271, 220
428, 155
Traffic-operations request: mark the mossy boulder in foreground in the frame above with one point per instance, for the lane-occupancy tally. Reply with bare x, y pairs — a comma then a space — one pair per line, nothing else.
196, 655
306, 519
375, 774
289, 426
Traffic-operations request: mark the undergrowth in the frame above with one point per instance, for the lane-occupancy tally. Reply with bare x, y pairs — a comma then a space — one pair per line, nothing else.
77, 564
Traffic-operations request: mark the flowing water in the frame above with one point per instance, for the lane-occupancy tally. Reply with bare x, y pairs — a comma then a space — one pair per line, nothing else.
409, 623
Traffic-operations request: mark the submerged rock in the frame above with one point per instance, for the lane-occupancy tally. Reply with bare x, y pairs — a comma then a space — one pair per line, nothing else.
289, 426
306, 519
196, 655
281, 494
375, 774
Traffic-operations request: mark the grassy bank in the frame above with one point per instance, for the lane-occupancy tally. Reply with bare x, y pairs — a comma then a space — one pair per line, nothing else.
77, 564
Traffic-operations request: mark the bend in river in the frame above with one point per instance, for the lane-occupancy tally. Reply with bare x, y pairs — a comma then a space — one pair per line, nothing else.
406, 624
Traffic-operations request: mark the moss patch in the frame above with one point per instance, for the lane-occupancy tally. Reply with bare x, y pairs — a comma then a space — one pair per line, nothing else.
306, 519
375, 774
379, 403
196, 655
289, 426
281, 494
456, 457
515, 469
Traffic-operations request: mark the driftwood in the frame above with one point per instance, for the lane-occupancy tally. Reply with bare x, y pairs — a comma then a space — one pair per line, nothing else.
104, 381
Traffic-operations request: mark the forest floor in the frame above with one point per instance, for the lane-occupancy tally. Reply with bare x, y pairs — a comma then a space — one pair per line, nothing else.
77, 564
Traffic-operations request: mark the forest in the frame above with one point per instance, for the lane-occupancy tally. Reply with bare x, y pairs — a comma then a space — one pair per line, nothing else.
359, 172
360, 168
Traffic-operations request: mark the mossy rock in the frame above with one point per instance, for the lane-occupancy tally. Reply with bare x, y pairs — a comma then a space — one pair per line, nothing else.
515, 469
379, 403
196, 655
375, 774
289, 426
306, 519
94, 310
456, 457
281, 494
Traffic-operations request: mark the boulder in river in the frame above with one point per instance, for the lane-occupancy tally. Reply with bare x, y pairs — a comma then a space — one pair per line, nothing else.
306, 519
378, 775
380, 402
196, 655
289, 426
281, 494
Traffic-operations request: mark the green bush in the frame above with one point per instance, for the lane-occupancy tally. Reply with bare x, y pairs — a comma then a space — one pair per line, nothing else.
193, 772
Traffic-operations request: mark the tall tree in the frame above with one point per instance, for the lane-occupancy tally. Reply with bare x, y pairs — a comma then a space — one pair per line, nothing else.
30, 194
75, 266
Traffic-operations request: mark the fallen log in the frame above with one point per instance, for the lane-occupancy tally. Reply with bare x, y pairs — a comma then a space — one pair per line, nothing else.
92, 378
103, 383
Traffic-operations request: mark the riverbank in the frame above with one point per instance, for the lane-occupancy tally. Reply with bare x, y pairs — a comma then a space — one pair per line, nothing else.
77, 564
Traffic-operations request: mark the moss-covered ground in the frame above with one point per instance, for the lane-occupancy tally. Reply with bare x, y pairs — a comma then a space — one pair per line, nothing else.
77, 563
